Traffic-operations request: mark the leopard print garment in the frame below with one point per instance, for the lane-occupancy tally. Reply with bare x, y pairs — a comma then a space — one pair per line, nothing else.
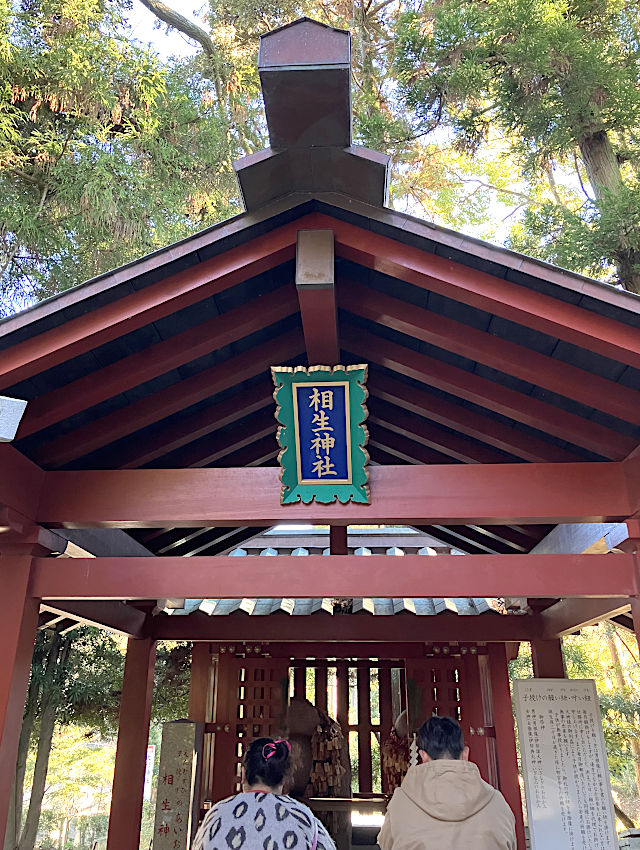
261, 821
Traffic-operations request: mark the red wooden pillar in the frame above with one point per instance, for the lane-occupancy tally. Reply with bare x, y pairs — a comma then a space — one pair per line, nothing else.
635, 612
199, 701
505, 735
475, 723
133, 736
632, 545
19, 625
547, 659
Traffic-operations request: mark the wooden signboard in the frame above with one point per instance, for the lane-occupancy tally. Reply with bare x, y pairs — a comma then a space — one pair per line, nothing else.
564, 762
176, 818
321, 411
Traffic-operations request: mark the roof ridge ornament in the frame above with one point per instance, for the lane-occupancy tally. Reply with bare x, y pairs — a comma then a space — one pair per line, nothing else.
305, 74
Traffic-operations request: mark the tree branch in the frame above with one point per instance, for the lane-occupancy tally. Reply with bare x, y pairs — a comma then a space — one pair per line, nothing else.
184, 25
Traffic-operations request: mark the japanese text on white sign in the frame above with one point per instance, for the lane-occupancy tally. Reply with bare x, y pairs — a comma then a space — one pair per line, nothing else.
564, 762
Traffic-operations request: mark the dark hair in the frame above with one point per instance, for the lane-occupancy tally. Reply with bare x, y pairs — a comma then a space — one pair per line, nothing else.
266, 762
441, 738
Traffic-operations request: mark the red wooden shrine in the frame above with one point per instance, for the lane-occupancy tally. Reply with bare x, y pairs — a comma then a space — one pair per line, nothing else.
504, 423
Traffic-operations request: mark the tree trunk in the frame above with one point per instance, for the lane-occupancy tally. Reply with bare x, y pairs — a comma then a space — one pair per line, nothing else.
45, 739
14, 822
622, 685
624, 818
53, 678
605, 178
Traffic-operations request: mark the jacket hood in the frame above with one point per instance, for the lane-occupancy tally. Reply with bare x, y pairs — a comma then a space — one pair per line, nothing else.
447, 790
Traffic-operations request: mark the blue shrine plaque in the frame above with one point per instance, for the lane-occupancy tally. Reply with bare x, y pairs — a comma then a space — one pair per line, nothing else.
321, 411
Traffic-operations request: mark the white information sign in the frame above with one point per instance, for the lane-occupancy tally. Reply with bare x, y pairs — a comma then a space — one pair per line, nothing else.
177, 781
148, 771
564, 762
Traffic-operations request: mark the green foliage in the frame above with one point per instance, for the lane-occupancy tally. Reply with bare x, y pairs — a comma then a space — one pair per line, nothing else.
557, 79
105, 154
78, 790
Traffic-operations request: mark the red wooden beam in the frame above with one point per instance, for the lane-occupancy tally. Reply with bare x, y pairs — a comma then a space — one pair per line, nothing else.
399, 447
517, 360
20, 481
433, 436
254, 455
489, 394
520, 304
316, 296
219, 445
336, 576
345, 629
165, 402
157, 359
492, 494
471, 423
632, 474
79, 335
570, 615
197, 425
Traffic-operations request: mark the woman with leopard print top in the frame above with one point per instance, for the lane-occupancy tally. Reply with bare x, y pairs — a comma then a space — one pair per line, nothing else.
261, 817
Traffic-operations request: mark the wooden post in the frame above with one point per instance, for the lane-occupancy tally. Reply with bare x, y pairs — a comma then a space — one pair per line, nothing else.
133, 735
19, 625
338, 540
199, 682
365, 777
199, 685
474, 721
321, 688
635, 611
547, 659
505, 735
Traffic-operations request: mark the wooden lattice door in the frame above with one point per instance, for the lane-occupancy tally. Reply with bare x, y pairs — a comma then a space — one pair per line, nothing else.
434, 686
451, 687
251, 696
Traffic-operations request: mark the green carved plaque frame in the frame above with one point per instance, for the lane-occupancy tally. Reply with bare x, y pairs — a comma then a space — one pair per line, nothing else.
293, 490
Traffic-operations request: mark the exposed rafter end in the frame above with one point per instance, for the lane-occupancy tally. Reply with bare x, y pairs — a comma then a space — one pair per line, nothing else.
571, 614
117, 617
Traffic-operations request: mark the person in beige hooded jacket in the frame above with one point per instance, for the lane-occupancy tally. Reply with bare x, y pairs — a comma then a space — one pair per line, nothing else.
443, 803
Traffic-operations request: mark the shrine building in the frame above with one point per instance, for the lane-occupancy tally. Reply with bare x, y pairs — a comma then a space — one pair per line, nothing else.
142, 493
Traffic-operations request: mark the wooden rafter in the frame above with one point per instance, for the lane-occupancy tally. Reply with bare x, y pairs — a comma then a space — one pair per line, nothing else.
223, 442
163, 403
569, 615
401, 448
473, 424
434, 436
585, 328
96, 327
196, 425
156, 360
490, 395
517, 360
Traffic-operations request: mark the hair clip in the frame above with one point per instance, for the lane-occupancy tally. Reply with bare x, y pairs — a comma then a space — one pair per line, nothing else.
270, 749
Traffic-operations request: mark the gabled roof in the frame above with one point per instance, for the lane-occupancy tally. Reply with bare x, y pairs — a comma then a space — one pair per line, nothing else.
476, 355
